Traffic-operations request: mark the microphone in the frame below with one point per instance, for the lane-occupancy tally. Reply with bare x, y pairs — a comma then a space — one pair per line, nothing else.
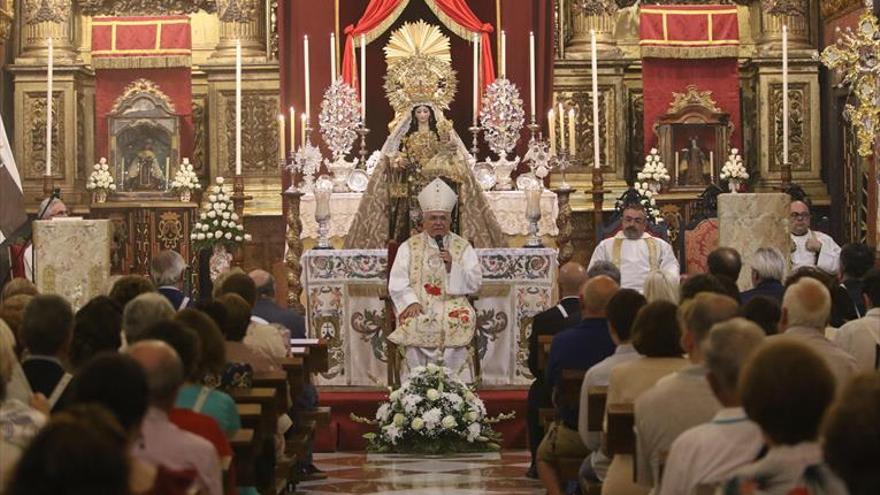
56, 193
439, 240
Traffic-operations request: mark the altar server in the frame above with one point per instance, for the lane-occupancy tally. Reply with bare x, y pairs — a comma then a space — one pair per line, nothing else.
432, 275
809, 247
635, 252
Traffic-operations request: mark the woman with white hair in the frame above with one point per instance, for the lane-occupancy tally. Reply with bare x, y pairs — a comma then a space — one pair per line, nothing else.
661, 286
768, 272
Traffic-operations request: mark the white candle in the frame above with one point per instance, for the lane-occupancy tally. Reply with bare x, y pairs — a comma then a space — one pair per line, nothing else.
307, 75
571, 133
503, 54
281, 151
305, 119
561, 128
561, 39
551, 130
595, 77
322, 204
533, 203
532, 73
332, 58
167, 171
364, 80
784, 94
292, 113
476, 42
49, 102
237, 107
711, 163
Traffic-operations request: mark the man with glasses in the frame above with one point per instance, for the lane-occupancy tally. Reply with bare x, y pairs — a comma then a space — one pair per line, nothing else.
430, 279
809, 247
635, 252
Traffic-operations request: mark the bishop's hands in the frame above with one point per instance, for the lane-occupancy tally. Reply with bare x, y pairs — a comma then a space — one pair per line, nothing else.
411, 311
447, 259
813, 245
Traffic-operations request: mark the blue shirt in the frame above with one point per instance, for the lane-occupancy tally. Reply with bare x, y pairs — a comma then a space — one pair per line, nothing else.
578, 347
218, 405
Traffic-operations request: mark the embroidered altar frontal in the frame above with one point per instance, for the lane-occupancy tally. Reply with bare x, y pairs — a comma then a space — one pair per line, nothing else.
344, 288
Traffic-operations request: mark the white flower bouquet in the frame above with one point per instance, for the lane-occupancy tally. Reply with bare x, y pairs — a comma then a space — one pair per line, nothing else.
648, 201
218, 223
185, 179
654, 172
100, 179
433, 413
734, 169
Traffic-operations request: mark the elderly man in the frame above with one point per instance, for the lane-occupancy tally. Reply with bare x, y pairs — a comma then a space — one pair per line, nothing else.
635, 252
267, 310
141, 313
166, 270
768, 270
809, 247
806, 309
50, 208
432, 274
162, 442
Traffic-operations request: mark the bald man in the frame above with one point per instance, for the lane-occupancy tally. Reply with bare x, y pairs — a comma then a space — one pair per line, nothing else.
267, 310
162, 442
578, 347
810, 248
565, 314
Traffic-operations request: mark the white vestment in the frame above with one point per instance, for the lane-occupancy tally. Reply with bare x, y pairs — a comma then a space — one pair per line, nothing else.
636, 258
828, 258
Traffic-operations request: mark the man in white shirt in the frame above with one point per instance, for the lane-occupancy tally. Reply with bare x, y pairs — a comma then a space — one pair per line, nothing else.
806, 308
708, 453
621, 313
430, 279
683, 399
810, 248
861, 337
635, 252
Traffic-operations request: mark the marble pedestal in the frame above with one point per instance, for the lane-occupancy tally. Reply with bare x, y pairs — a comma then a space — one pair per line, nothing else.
747, 222
72, 258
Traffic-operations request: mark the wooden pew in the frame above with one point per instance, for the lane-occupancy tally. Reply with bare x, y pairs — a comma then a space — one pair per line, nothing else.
597, 395
297, 376
244, 447
277, 380
251, 415
621, 438
544, 342
319, 355
265, 398
568, 390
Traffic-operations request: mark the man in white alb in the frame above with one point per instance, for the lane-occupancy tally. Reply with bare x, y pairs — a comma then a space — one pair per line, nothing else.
635, 252
810, 248
432, 275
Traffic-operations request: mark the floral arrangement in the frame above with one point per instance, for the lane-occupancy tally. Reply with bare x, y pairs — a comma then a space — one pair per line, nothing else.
218, 223
185, 179
433, 413
100, 178
734, 169
646, 198
654, 172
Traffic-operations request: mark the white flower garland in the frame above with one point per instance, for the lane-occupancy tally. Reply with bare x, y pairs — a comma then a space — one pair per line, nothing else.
100, 179
185, 179
734, 168
218, 223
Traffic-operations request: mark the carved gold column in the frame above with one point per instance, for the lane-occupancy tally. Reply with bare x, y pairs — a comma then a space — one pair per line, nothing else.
294, 251
241, 20
563, 222
798, 29
44, 19
587, 15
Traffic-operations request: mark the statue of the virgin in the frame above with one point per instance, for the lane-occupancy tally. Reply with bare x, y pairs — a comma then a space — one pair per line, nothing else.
421, 146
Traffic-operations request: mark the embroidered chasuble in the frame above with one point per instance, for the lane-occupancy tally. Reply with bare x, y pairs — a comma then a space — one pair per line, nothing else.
419, 276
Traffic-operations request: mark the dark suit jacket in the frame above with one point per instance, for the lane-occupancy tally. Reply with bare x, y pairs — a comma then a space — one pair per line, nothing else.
271, 312
767, 288
175, 296
550, 322
42, 375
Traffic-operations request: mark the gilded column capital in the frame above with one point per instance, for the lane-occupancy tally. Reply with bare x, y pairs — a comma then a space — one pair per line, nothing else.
7, 16
44, 19
794, 14
592, 15
241, 20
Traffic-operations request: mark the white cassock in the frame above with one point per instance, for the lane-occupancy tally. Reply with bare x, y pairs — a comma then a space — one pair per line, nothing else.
446, 326
28, 259
828, 258
636, 258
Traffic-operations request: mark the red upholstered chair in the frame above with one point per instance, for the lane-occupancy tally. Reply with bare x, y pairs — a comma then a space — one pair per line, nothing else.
698, 243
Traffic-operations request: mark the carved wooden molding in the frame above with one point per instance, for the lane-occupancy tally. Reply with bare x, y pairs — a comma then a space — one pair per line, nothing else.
145, 7
37, 11
693, 97
142, 87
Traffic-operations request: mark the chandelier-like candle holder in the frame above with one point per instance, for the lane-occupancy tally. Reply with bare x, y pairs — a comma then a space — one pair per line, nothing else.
538, 158
304, 164
561, 162
339, 121
502, 117
323, 190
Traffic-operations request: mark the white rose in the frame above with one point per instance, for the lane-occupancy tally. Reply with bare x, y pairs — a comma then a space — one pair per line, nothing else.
238, 238
201, 236
212, 197
226, 215
393, 396
223, 223
211, 214
448, 422
218, 234
734, 151
433, 394
219, 180
112, 187
417, 424
203, 216
247, 237
399, 419
209, 235
471, 416
234, 216
228, 235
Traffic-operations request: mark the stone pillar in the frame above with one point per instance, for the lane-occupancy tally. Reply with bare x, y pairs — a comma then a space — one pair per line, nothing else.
750, 221
603, 24
771, 28
241, 20
44, 19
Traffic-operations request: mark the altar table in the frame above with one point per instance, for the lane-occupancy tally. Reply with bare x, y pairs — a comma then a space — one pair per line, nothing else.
343, 290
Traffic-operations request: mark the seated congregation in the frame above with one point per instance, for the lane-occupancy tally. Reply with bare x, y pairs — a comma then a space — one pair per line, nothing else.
142, 391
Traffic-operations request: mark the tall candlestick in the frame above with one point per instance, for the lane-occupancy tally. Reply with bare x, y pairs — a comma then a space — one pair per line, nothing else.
532, 73
237, 107
595, 76
307, 75
476, 42
561, 128
49, 82
292, 113
561, 40
332, 58
551, 130
364, 79
281, 151
571, 133
503, 54
305, 123
784, 94
167, 171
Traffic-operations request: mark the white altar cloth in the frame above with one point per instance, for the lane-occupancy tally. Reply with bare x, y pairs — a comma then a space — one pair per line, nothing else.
343, 289
509, 208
